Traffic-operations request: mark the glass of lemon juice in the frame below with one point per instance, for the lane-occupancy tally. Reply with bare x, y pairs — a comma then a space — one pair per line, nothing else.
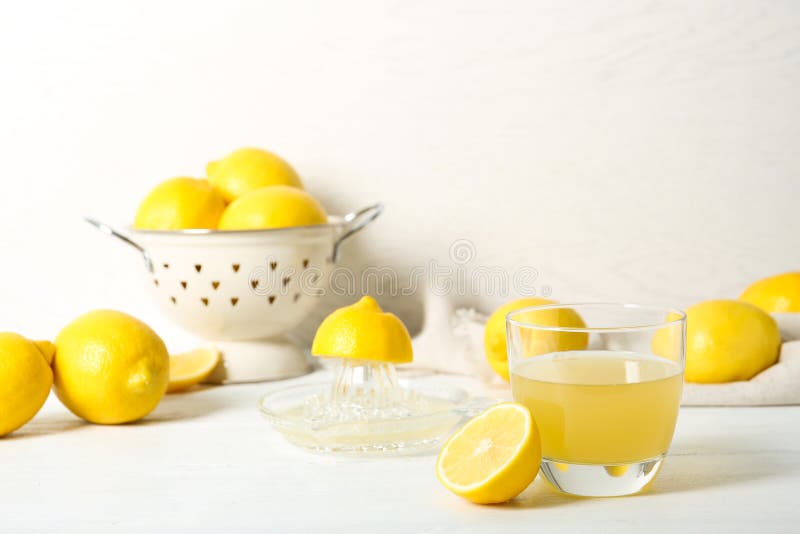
604, 394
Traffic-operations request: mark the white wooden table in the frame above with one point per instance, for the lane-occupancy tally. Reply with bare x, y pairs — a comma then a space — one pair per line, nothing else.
207, 461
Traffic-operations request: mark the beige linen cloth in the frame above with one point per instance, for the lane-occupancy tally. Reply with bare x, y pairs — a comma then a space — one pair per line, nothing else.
451, 341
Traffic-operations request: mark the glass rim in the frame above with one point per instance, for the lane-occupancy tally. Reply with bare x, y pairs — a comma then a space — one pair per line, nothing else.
667, 310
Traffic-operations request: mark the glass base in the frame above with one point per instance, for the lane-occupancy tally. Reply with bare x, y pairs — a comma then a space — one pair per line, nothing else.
591, 480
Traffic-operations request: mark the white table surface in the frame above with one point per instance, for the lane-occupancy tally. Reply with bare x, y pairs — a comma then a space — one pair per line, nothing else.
207, 461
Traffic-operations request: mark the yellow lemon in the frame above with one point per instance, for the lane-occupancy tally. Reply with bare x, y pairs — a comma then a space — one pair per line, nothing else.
667, 340
47, 349
493, 457
191, 368
537, 341
25, 380
278, 206
180, 204
110, 368
363, 331
248, 169
617, 471
729, 340
776, 294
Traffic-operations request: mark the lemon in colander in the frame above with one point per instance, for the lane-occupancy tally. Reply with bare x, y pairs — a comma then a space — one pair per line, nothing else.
179, 204
277, 206
248, 169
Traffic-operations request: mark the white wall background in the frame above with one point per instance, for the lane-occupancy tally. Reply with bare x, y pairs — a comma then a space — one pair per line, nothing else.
628, 150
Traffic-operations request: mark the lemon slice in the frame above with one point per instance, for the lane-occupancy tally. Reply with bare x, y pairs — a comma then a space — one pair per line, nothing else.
190, 368
493, 457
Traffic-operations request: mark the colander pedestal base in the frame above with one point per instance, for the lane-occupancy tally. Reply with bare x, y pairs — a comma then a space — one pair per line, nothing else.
258, 361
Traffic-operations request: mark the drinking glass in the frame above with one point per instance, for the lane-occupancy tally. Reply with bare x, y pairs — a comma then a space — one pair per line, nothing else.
603, 382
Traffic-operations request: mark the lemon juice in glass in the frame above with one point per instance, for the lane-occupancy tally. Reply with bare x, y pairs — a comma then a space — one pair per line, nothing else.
604, 394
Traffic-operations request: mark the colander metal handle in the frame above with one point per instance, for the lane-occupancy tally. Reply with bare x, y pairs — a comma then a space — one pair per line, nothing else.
106, 229
354, 222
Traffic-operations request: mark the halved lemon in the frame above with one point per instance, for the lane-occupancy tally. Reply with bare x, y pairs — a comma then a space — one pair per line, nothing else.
190, 368
363, 331
493, 457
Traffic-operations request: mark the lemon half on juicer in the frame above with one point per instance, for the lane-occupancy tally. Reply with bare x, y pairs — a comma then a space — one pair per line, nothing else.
364, 407
363, 332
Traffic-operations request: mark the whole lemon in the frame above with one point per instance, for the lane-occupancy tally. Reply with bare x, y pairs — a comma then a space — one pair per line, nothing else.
278, 206
248, 169
668, 341
25, 380
110, 368
179, 204
729, 340
494, 338
362, 331
775, 294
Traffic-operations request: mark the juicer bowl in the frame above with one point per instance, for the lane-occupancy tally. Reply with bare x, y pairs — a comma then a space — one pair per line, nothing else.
242, 290
445, 408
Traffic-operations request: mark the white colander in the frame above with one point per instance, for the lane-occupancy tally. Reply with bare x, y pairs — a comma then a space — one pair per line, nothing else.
242, 290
